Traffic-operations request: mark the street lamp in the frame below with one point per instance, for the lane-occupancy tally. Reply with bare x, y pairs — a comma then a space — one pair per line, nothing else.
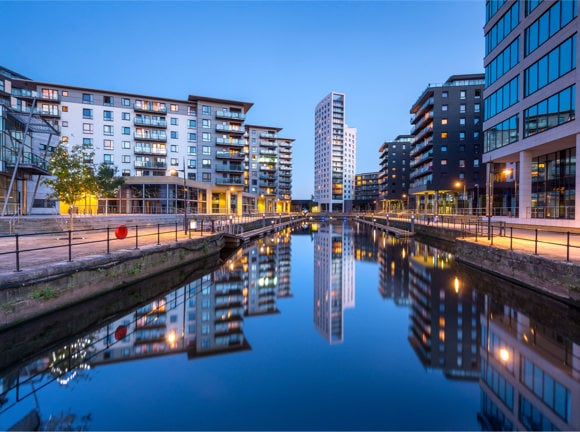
509, 171
457, 184
174, 172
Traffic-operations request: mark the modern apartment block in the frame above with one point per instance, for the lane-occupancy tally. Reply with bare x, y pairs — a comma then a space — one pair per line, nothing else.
334, 155
366, 191
220, 164
395, 173
531, 134
446, 173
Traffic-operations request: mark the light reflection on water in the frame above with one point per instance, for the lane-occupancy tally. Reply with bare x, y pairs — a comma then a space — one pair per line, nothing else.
327, 327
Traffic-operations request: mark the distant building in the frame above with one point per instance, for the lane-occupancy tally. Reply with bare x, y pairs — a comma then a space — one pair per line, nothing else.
223, 166
446, 171
366, 192
334, 155
395, 172
531, 134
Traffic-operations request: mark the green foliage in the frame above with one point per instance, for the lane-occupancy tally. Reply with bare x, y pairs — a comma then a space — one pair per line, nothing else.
107, 181
72, 175
45, 293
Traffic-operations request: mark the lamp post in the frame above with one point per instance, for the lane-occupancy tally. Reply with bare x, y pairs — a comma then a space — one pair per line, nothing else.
174, 172
509, 171
457, 184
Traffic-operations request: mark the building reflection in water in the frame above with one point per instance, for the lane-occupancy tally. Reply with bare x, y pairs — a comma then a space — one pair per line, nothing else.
521, 347
204, 317
333, 279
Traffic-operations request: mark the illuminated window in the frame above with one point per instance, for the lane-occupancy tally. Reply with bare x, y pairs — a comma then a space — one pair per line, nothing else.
444, 121
443, 135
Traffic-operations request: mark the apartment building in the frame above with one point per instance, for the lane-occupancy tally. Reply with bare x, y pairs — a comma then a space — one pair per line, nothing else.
446, 172
394, 173
531, 134
366, 191
190, 154
334, 155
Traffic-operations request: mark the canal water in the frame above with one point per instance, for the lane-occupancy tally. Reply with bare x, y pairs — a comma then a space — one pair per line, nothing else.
318, 327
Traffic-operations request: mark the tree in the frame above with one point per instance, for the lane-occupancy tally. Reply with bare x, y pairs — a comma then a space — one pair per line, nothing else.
108, 183
73, 176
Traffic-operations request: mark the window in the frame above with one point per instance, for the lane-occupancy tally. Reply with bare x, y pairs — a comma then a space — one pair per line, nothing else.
126, 172
108, 144
173, 134
108, 159
108, 130
206, 177
191, 111
87, 113
174, 148
108, 100
192, 163
462, 94
444, 148
206, 163
462, 108
108, 115
65, 123
444, 135
462, 121
206, 137
461, 136
205, 123
88, 128
443, 161
443, 121
126, 144
476, 107
173, 107
444, 94
126, 116
191, 150
461, 163
65, 92
206, 150
173, 121
191, 124
87, 98
64, 108
191, 136
206, 110
126, 130
551, 112
126, 102
174, 162
476, 163
87, 142
126, 159
443, 107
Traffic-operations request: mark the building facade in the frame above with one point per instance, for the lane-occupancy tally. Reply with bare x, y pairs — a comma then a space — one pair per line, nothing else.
366, 192
530, 128
394, 174
446, 172
334, 155
149, 140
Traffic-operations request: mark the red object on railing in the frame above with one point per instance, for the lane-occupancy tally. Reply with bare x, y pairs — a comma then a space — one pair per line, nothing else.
121, 232
120, 332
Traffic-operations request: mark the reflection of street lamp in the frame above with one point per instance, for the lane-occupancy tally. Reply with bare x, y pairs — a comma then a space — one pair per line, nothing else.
174, 172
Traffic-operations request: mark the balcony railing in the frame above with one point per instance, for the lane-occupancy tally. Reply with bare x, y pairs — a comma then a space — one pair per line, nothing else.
162, 151
229, 168
229, 181
151, 165
150, 107
230, 115
140, 121
231, 142
230, 129
229, 155
161, 136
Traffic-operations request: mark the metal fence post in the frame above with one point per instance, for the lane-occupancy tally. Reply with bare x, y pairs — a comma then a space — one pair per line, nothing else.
108, 240
158, 234
511, 237
17, 253
536, 243
69, 245
136, 236
568, 246
176, 231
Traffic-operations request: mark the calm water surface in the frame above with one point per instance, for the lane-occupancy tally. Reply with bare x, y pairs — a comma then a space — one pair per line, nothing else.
327, 327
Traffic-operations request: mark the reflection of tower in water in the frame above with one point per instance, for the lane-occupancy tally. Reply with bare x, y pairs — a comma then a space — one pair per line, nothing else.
333, 279
444, 314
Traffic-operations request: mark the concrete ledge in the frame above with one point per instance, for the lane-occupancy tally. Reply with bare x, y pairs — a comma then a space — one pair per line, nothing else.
36, 292
560, 280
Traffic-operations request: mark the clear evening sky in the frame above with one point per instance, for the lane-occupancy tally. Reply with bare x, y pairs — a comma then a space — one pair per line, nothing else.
284, 56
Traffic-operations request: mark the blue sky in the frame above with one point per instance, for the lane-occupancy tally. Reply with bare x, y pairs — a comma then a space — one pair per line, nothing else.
284, 56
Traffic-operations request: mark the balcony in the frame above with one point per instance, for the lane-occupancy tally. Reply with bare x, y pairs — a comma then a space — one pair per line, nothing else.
229, 168
159, 165
424, 133
154, 107
229, 181
230, 155
421, 172
231, 141
144, 121
30, 163
52, 111
31, 94
264, 151
267, 168
237, 129
422, 122
421, 160
230, 115
426, 105
265, 143
151, 136
148, 150
420, 148
268, 135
